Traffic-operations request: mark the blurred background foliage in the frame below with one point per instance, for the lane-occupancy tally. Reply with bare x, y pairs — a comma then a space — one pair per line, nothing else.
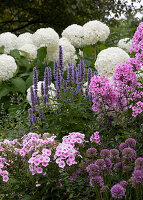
19, 16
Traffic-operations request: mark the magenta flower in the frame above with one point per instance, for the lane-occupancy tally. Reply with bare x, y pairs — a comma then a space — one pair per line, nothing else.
117, 191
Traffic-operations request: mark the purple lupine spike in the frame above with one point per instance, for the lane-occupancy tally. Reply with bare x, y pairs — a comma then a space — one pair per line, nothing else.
69, 74
35, 79
61, 58
41, 114
55, 69
74, 73
47, 79
34, 119
42, 89
30, 112
87, 92
90, 97
33, 97
59, 79
89, 75
64, 84
75, 94
50, 75
80, 87
82, 68
58, 93
95, 73
45, 99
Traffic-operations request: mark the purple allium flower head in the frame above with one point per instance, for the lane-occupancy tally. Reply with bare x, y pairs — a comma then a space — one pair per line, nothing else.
139, 163
117, 191
101, 163
35, 79
93, 169
97, 180
91, 152
108, 163
61, 58
104, 188
89, 75
122, 146
130, 142
117, 167
137, 178
124, 184
105, 153
127, 168
129, 154
114, 152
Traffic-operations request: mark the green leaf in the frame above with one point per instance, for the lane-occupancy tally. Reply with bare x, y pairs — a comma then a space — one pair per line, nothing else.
29, 80
19, 84
41, 53
4, 91
2, 49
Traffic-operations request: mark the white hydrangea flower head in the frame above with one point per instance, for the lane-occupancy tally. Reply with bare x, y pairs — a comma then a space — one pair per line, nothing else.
9, 41
51, 92
125, 44
68, 53
31, 51
7, 67
107, 60
25, 38
46, 37
95, 31
74, 33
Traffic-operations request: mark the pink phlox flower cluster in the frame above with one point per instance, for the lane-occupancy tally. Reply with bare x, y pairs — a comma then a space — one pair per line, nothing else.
95, 138
66, 151
103, 92
137, 109
38, 161
137, 45
4, 173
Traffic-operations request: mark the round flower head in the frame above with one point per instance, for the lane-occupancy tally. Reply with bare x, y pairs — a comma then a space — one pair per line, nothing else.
91, 152
96, 180
25, 38
117, 191
95, 31
31, 51
105, 153
130, 142
122, 146
137, 178
125, 44
46, 37
51, 92
124, 184
101, 163
7, 67
9, 41
129, 154
107, 60
93, 169
139, 163
68, 53
74, 33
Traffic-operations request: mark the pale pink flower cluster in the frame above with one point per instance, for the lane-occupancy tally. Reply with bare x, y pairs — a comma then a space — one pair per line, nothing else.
3, 173
95, 138
66, 151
